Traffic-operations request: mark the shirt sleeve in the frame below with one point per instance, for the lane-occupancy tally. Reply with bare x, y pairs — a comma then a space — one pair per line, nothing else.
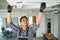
14, 27
34, 28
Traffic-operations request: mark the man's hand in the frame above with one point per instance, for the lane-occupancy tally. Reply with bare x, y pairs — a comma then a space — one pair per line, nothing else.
9, 8
43, 6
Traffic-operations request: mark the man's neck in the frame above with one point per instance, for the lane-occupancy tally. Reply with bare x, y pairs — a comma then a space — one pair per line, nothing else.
24, 27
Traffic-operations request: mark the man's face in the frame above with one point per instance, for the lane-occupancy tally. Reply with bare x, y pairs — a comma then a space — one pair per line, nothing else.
24, 22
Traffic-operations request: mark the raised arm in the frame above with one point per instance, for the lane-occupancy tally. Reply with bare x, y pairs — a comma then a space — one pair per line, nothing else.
40, 14
9, 18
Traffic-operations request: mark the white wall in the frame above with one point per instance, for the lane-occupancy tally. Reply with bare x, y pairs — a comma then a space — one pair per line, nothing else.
59, 26
54, 23
20, 12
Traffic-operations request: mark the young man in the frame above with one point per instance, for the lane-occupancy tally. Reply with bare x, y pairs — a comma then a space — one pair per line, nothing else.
24, 32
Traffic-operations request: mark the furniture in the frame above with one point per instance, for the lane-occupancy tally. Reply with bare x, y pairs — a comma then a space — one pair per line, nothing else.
49, 36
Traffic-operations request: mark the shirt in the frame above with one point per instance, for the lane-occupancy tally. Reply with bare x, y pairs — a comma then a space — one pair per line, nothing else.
32, 30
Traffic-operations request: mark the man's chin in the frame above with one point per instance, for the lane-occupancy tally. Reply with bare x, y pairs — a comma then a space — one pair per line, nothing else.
24, 25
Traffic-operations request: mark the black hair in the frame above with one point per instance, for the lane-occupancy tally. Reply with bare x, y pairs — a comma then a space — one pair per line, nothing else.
23, 17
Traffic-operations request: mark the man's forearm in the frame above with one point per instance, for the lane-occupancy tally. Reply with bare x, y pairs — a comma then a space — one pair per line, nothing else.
39, 18
9, 19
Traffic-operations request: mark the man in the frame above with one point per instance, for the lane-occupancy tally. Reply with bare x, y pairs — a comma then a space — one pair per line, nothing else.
24, 32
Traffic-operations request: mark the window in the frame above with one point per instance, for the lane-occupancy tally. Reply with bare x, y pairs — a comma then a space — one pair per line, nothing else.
0, 24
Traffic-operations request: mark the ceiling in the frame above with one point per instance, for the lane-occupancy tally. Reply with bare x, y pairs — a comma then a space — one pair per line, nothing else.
29, 3
35, 5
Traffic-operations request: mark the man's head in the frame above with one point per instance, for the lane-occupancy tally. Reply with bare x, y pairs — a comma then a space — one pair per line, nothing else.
24, 21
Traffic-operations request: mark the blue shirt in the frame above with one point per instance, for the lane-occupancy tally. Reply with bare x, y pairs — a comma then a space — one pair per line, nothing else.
32, 30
